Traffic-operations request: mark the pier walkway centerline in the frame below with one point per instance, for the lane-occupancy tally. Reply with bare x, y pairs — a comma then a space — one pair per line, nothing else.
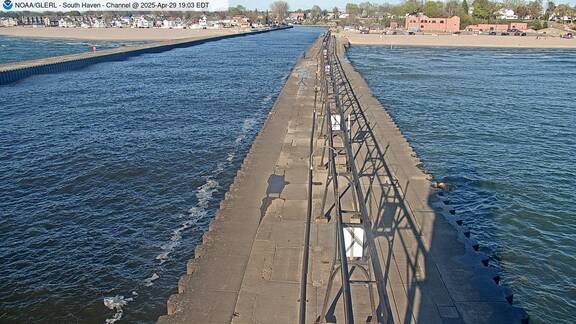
382, 245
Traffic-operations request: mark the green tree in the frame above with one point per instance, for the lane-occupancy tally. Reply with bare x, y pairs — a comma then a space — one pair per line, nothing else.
483, 9
315, 12
433, 9
411, 6
465, 7
236, 11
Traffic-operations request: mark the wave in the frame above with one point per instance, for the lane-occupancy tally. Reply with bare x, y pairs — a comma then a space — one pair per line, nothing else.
116, 303
148, 281
205, 194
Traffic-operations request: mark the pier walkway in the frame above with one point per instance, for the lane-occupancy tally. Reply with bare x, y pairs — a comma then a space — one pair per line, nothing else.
330, 205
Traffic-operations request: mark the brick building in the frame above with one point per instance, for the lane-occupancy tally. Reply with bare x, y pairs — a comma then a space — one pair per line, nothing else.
430, 24
497, 27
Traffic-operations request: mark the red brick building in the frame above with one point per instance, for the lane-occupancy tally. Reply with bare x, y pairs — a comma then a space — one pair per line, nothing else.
429, 24
497, 27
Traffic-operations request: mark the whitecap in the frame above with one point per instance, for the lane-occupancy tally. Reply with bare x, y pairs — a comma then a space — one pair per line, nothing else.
149, 281
116, 303
204, 195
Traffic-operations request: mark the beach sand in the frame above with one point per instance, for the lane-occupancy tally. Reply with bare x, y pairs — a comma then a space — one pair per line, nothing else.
125, 34
459, 40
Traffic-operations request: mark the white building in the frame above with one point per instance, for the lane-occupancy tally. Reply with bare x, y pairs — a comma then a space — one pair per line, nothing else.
142, 22
203, 22
66, 23
99, 23
506, 14
8, 22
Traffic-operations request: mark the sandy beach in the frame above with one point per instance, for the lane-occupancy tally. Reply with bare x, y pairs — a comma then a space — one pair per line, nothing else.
125, 34
459, 40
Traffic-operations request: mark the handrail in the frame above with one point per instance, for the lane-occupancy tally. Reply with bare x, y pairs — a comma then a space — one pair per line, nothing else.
306, 252
385, 310
349, 317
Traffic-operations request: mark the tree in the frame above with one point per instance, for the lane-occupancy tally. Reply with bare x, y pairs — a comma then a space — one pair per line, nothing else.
483, 9
452, 8
411, 6
535, 9
550, 7
522, 11
367, 9
237, 11
352, 9
315, 12
432, 9
465, 7
279, 10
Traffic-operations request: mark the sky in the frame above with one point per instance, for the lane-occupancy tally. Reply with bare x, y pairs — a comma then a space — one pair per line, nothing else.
324, 4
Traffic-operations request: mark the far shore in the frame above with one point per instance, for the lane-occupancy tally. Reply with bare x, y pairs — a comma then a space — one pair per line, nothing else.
114, 34
459, 41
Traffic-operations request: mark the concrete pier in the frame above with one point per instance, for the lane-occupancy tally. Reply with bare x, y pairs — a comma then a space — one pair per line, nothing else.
248, 268
12, 72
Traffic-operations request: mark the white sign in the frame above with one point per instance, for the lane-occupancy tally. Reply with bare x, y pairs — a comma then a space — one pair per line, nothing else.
335, 122
354, 241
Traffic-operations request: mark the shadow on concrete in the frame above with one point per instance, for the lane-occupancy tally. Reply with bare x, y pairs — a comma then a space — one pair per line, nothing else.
431, 267
276, 184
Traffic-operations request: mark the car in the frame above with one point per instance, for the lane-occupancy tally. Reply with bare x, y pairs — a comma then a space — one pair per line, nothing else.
364, 31
493, 33
505, 33
568, 36
411, 33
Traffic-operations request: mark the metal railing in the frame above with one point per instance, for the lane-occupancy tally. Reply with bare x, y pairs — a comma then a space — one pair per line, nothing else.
331, 77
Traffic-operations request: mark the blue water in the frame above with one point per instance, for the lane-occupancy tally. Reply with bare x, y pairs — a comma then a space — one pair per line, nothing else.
13, 49
500, 126
109, 175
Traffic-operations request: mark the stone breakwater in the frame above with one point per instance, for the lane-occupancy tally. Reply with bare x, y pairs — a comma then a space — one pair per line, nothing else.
13, 72
247, 269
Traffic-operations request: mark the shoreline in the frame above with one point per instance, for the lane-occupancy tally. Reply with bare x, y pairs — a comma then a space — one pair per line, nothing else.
469, 41
115, 34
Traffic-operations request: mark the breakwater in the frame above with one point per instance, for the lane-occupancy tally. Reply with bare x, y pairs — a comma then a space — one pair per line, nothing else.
13, 72
416, 260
